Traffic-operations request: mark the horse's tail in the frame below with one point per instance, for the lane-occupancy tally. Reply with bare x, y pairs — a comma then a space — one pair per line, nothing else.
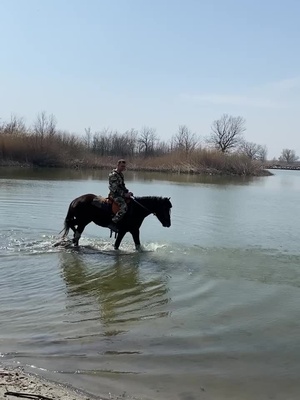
68, 222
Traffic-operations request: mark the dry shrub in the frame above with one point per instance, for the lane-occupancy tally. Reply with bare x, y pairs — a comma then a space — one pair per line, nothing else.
62, 149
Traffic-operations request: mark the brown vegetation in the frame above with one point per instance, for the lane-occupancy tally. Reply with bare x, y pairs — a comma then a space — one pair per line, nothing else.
44, 146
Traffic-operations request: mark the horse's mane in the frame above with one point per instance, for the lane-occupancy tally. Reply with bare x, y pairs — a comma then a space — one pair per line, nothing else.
154, 199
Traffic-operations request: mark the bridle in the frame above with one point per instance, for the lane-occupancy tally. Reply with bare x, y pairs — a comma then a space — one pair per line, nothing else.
147, 209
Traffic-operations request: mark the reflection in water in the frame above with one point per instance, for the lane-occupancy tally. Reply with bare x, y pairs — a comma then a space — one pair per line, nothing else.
190, 178
140, 176
46, 173
114, 285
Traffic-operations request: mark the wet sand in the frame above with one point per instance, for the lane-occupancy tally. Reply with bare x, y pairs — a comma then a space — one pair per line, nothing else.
15, 383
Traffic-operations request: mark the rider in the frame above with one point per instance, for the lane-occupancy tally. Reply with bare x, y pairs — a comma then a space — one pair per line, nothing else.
118, 192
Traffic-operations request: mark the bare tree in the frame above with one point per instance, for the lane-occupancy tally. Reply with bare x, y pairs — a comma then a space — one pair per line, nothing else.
288, 156
184, 139
262, 153
102, 142
227, 132
162, 148
44, 126
253, 151
15, 126
88, 137
131, 141
147, 139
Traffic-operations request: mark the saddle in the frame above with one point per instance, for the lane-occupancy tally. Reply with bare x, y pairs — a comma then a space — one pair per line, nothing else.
107, 203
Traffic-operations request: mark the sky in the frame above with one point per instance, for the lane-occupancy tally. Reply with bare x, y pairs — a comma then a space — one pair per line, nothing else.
122, 64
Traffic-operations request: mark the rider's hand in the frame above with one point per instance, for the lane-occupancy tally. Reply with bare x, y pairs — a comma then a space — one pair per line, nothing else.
129, 194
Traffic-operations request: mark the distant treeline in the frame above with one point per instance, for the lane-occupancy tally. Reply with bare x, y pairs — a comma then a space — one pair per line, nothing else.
43, 145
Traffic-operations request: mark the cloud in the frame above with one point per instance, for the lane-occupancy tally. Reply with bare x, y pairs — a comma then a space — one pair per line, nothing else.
232, 99
285, 84
277, 95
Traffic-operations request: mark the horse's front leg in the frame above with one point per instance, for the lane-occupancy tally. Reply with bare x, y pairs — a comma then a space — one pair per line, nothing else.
136, 238
119, 239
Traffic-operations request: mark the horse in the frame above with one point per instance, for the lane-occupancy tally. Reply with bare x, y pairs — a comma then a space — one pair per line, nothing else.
92, 208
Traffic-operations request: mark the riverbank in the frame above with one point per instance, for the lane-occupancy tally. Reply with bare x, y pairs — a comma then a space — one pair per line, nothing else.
16, 383
183, 168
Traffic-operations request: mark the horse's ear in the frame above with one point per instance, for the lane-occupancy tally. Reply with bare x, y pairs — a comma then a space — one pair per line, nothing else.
169, 198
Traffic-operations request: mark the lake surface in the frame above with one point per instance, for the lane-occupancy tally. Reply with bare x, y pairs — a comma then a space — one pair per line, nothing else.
209, 310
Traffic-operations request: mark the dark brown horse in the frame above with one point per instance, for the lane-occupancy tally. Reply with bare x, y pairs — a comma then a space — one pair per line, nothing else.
84, 210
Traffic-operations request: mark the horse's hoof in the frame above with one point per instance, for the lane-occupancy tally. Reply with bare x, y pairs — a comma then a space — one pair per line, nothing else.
62, 243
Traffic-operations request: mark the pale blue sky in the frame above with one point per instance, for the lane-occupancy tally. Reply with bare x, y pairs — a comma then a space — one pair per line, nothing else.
126, 64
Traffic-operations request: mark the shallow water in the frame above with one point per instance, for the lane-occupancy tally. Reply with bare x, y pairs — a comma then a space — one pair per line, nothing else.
209, 310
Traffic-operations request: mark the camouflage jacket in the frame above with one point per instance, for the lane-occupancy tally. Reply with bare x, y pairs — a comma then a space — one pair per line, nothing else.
116, 184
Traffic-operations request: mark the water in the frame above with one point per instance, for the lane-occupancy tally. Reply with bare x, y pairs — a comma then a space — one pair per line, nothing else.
209, 310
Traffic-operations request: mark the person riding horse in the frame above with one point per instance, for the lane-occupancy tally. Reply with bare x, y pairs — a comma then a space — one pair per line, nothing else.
118, 193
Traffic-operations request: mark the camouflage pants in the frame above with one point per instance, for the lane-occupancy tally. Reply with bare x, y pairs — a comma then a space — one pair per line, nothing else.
123, 208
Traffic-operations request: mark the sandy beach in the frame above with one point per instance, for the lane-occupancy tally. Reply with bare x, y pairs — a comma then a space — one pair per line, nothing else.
16, 383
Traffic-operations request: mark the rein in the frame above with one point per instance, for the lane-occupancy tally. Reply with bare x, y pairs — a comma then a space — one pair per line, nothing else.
147, 209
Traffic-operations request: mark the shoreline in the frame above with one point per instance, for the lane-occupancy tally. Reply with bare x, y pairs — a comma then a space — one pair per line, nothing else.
15, 381
181, 169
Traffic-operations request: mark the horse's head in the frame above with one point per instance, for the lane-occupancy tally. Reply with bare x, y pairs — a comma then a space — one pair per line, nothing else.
163, 211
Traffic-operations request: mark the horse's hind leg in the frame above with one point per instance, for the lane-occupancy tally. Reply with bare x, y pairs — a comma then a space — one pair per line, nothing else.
76, 238
77, 234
